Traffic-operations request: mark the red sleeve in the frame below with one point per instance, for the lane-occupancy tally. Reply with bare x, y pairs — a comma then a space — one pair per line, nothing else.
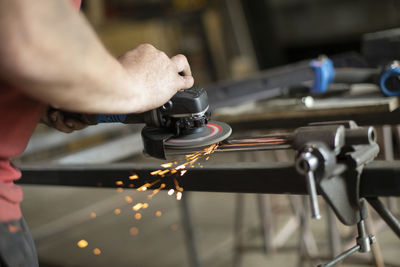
76, 4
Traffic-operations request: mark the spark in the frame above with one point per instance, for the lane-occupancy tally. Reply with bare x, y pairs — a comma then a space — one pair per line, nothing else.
137, 207
181, 167
168, 172
82, 243
163, 172
144, 187
138, 216
153, 183
155, 172
166, 165
194, 155
133, 231
211, 149
128, 199
120, 190
155, 191
177, 187
134, 177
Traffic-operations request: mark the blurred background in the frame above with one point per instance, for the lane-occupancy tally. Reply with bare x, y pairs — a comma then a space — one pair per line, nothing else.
223, 39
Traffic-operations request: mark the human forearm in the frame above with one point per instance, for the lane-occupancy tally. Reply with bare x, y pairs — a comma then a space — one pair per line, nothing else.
52, 54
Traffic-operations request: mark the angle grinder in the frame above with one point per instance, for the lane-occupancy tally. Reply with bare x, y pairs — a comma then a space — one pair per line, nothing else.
180, 124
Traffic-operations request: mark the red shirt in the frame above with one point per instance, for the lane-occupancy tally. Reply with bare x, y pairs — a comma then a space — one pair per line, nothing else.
19, 115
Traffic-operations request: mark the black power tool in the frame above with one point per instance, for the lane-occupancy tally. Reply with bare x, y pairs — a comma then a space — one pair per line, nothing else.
180, 124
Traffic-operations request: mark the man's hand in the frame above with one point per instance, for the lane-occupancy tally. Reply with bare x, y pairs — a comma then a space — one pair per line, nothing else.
159, 76
55, 118
51, 53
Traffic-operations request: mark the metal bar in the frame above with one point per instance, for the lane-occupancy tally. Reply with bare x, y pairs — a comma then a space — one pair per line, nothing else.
378, 179
259, 122
341, 256
389, 156
356, 75
265, 85
238, 231
259, 143
388, 142
265, 213
190, 235
267, 142
385, 214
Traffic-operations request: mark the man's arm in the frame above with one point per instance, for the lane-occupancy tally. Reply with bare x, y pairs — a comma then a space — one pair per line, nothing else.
51, 53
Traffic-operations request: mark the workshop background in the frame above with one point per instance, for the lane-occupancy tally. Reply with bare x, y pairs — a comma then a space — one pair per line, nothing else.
223, 39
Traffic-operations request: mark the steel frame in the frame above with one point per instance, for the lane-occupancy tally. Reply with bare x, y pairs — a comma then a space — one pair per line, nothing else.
379, 179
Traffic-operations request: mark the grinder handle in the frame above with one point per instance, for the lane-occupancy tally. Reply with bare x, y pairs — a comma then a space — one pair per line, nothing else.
93, 119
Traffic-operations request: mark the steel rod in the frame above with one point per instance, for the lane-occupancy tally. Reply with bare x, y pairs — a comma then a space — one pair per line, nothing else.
341, 256
267, 142
385, 214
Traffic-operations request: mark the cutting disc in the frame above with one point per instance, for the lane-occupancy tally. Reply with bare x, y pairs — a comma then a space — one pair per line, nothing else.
213, 132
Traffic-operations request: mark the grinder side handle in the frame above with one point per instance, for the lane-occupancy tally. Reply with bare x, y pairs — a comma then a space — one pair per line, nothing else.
93, 119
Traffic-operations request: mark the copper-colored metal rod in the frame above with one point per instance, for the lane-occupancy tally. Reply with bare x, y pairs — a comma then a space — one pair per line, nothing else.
267, 142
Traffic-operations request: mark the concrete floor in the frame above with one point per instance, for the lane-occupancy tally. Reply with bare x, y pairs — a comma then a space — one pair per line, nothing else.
61, 216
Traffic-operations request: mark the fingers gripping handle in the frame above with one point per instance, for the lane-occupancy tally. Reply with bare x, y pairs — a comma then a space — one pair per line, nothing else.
93, 119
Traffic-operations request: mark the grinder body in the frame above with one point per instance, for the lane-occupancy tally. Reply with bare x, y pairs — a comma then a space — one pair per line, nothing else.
183, 121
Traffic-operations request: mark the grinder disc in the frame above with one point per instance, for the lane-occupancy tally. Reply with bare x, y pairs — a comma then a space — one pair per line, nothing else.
213, 132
